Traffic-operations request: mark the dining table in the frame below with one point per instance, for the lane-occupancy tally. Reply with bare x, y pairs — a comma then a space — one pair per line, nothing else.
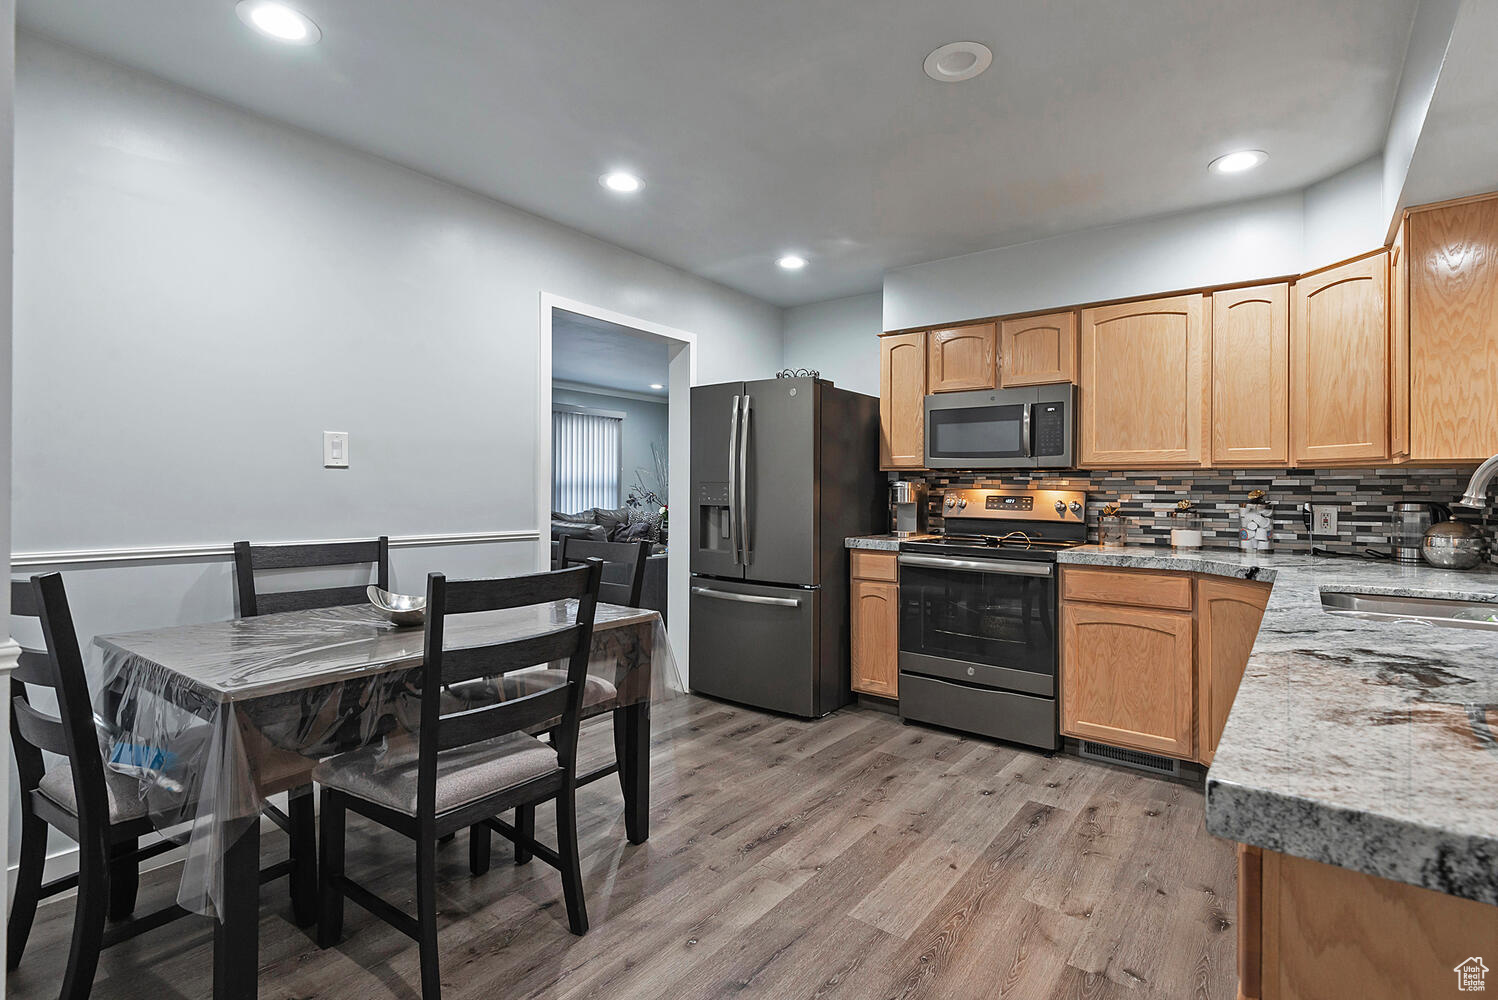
214, 718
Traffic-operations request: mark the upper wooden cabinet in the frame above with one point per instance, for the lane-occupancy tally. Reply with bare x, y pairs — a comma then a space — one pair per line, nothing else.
1399, 344
1453, 331
1143, 398
1251, 375
902, 401
1038, 350
1339, 364
962, 357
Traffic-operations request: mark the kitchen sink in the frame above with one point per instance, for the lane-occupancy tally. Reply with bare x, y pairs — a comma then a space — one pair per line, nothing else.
1413, 610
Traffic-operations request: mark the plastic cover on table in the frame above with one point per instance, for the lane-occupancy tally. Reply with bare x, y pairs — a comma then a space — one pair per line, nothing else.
213, 718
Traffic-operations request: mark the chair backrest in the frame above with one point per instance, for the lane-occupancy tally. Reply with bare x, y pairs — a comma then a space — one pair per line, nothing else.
249, 558
623, 561
59, 666
446, 598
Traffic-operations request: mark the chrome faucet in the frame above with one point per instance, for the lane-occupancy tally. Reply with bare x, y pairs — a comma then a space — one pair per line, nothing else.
1477, 489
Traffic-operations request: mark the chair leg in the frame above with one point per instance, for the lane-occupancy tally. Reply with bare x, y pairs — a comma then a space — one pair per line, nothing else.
572, 871
525, 823
88, 924
124, 878
28, 886
478, 849
330, 903
426, 917
300, 809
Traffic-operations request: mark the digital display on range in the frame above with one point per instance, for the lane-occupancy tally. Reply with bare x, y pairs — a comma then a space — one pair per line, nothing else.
1008, 503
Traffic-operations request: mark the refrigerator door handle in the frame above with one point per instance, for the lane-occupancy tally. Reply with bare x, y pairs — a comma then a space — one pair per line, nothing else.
723, 595
746, 543
733, 478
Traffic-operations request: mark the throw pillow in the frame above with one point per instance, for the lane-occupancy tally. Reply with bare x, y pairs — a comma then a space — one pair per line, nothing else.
649, 517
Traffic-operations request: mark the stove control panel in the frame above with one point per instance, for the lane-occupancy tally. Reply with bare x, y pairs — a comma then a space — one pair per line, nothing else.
1068, 506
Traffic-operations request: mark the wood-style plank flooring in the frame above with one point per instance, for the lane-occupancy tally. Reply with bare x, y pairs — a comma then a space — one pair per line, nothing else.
852, 857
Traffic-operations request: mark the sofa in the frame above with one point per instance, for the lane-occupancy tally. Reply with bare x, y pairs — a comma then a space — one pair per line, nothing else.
604, 524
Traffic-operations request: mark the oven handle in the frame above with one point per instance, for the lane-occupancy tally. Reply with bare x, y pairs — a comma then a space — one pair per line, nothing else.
1003, 566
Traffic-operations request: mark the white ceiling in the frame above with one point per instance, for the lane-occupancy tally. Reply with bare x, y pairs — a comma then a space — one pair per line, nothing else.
594, 352
806, 125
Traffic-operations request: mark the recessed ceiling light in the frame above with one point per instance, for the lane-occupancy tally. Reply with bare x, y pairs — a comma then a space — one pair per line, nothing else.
791, 262
621, 181
656, 385
958, 61
278, 21
1236, 163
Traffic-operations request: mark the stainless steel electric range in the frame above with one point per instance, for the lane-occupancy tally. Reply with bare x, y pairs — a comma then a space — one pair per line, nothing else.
978, 614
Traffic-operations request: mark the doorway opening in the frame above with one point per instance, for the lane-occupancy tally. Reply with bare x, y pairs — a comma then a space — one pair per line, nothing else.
613, 426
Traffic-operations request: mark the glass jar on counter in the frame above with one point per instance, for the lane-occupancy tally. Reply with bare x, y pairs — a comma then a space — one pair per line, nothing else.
1185, 526
1112, 528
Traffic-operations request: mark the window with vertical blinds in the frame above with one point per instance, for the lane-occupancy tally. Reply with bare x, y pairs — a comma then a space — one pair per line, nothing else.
584, 459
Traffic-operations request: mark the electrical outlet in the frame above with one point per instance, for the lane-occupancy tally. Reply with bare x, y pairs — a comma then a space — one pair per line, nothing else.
1323, 519
335, 449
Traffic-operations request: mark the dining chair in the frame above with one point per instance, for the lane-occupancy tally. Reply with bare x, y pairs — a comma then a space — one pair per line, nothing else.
468, 765
300, 819
625, 562
98, 807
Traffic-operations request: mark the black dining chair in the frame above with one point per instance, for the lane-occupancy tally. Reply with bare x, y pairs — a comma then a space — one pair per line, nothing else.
96, 806
300, 819
624, 577
468, 765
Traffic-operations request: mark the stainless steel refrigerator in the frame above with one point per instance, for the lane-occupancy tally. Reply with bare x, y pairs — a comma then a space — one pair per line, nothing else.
782, 471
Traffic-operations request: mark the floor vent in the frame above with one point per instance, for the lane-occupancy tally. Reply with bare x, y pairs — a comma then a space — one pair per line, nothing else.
1131, 758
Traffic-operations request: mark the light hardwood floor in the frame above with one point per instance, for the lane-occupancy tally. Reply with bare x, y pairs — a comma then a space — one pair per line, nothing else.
851, 857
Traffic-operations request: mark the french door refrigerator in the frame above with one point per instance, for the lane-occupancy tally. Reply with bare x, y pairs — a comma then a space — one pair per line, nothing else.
783, 470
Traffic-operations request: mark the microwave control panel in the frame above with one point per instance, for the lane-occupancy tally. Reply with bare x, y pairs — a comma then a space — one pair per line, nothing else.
1050, 429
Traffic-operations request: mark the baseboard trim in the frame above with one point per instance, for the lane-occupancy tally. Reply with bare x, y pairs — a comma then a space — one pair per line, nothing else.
171, 553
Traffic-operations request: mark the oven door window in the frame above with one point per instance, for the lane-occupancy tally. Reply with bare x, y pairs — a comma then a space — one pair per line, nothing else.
977, 432
1001, 620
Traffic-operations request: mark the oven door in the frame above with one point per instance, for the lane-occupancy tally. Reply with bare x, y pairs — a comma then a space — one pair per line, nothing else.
987, 622
979, 430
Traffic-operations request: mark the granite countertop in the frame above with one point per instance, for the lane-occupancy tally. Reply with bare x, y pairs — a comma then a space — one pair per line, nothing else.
1364, 744
882, 543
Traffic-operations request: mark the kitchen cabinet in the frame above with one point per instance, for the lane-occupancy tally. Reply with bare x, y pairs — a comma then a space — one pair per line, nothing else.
1228, 614
1399, 345
962, 358
1038, 350
1339, 364
875, 623
1143, 397
1311, 931
1127, 677
1453, 331
1251, 376
902, 401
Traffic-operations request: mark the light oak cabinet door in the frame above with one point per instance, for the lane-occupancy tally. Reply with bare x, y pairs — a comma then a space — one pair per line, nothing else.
1453, 332
962, 358
875, 626
1399, 344
902, 401
1038, 350
1339, 364
1143, 387
1126, 677
1228, 613
1251, 376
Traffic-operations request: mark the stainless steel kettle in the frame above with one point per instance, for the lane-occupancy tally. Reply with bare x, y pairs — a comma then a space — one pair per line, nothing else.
1454, 545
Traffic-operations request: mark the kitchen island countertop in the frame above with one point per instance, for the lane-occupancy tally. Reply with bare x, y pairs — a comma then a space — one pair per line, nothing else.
1364, 744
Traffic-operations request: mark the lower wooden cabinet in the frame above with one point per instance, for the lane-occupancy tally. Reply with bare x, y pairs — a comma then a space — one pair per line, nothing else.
1309, 931
1228, 613
874, 604
1127, 677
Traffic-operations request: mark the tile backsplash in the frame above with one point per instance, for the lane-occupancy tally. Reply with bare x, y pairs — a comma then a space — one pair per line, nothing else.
1364, 499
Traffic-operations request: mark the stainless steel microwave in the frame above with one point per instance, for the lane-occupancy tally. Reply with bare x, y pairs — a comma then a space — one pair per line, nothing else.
1029, 428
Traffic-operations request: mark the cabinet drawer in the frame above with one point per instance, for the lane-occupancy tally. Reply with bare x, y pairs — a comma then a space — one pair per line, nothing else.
1127, 586
872, 565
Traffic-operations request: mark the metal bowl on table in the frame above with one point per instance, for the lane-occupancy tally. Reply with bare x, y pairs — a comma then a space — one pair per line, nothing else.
1454, 545
403, 609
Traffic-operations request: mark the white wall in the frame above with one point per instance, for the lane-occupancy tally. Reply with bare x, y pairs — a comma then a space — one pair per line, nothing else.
838, 339
7, 81
1239, 242
1344, 215
644, 424
201, 292
1424, 57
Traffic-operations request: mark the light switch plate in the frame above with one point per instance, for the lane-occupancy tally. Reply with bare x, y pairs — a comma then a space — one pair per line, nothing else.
1323, 519
335, 449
